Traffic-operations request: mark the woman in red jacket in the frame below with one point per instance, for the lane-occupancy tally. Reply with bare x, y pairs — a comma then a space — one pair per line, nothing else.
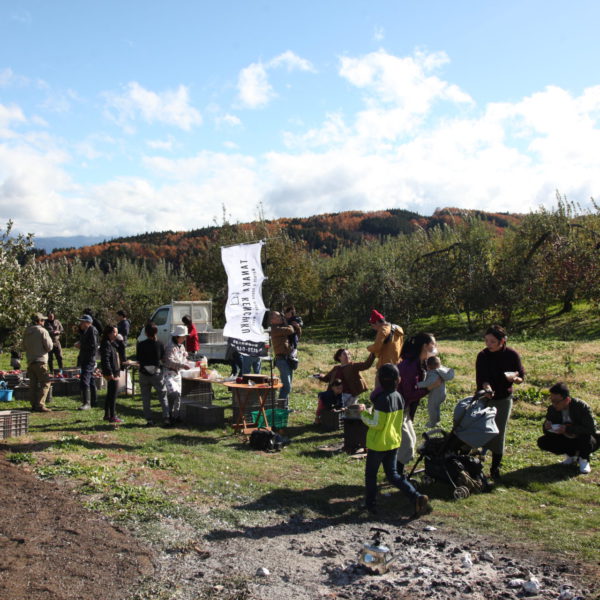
192, 344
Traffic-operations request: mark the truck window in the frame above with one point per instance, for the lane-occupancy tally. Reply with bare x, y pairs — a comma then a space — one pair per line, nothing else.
160, 316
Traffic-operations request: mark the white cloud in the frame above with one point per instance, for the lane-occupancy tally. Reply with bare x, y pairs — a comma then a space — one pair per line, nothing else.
254, 88
171, 107
405, 82
292, 62
167, 144
10, 114
378, 34
417, 142
228, 120
6, 77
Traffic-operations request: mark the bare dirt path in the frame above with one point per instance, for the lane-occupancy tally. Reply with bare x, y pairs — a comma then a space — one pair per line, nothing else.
51, 548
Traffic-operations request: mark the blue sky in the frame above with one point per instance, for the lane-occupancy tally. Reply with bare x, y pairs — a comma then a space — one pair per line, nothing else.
130, 116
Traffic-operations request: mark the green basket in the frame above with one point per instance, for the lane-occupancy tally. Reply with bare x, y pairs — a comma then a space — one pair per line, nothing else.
280, 420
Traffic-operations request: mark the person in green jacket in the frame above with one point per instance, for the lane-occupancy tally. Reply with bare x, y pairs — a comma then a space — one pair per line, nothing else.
383, 440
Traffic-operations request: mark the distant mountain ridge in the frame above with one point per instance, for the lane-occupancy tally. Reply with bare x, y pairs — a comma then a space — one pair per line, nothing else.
325, 233
48, 244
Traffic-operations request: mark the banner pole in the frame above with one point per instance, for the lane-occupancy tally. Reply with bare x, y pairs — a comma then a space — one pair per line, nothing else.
273, 408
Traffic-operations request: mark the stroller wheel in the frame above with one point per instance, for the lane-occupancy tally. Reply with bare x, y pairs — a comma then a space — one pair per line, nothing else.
427, 480
461, 492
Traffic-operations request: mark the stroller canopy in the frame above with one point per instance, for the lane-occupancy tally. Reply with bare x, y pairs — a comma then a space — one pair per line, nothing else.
474, 422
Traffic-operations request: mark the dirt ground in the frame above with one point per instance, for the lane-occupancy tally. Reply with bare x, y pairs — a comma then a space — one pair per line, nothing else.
51, 548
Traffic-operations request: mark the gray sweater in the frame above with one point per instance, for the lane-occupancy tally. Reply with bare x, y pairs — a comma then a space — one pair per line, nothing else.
439, 393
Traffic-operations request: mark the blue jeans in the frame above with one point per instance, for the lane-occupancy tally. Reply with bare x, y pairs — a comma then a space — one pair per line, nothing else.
286, 375
374, 459
250, 364
87, 381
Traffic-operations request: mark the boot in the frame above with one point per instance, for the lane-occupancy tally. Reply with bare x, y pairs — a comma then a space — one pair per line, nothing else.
93, 396
85, 399
495, 468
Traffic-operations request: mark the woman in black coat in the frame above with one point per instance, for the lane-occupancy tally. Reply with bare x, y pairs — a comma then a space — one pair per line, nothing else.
111, 369
498, 368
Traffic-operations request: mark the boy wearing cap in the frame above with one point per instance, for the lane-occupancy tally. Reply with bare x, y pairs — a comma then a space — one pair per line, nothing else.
388, 341
37, 343
383, 440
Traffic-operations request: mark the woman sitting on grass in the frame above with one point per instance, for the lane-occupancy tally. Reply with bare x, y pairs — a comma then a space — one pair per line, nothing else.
383, 440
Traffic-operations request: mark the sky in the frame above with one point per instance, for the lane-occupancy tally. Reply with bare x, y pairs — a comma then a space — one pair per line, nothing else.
121, 117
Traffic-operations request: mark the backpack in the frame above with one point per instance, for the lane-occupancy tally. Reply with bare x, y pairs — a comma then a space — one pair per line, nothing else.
267, 441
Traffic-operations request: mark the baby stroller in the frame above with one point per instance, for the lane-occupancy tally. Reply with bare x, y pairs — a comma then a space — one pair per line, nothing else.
451, 457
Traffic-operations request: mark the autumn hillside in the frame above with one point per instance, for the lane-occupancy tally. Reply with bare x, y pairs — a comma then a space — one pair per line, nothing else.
324, 233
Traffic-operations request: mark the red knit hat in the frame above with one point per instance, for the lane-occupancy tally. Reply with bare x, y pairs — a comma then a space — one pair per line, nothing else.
376, 317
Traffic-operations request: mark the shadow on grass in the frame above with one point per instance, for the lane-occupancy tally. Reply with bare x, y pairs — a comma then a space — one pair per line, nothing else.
531, 477
71, 443
335, 505
190, 440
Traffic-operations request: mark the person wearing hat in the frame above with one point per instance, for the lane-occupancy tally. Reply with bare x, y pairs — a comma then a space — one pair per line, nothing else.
388, 340
37, 343
88, 346
175, 359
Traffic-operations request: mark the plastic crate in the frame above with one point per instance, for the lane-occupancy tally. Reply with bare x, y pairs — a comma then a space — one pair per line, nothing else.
199, 415
6, 395
281, 418
13, 423
331, 420
197, 391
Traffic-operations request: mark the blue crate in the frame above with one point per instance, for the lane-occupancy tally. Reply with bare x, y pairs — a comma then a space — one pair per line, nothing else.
6, 395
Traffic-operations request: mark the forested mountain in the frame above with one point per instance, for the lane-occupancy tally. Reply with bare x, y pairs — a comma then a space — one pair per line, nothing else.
324, 233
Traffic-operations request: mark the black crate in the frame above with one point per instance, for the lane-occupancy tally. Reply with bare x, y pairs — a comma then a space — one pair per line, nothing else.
331, 420
199, 415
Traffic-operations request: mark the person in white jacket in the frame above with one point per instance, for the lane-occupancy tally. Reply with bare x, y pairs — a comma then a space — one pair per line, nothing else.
437, 395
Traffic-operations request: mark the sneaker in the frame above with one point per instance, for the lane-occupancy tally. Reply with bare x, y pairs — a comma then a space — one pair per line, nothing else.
570, 460
422, 505
150, 423
84, 407
584, 466
115, 420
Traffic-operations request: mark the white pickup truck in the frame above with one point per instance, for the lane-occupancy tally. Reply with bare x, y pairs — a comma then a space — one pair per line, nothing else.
212, 343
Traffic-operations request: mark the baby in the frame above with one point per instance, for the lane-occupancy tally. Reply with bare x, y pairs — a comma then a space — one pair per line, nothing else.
438, 394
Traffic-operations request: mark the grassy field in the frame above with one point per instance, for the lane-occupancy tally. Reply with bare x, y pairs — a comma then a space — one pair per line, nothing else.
209, 478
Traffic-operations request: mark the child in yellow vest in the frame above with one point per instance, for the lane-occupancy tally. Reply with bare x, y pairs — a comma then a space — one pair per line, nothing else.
383, 440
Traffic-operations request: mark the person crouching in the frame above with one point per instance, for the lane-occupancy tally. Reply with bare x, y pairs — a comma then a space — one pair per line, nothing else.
383, 440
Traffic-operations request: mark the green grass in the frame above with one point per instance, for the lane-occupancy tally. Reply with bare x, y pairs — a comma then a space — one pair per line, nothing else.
209, 480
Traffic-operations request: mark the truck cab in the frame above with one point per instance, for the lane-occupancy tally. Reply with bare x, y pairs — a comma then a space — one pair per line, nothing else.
212, 343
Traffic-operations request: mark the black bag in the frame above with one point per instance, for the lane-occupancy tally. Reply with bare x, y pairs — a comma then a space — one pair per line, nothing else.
267, 441
292, 362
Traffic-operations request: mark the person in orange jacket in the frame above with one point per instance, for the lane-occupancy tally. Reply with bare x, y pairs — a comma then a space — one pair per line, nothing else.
388, 340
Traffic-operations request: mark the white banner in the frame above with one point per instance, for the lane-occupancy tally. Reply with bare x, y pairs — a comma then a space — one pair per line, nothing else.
245, 307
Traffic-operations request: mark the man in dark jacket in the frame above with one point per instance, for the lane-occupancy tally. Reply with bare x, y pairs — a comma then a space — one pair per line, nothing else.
88, 346
569, 428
